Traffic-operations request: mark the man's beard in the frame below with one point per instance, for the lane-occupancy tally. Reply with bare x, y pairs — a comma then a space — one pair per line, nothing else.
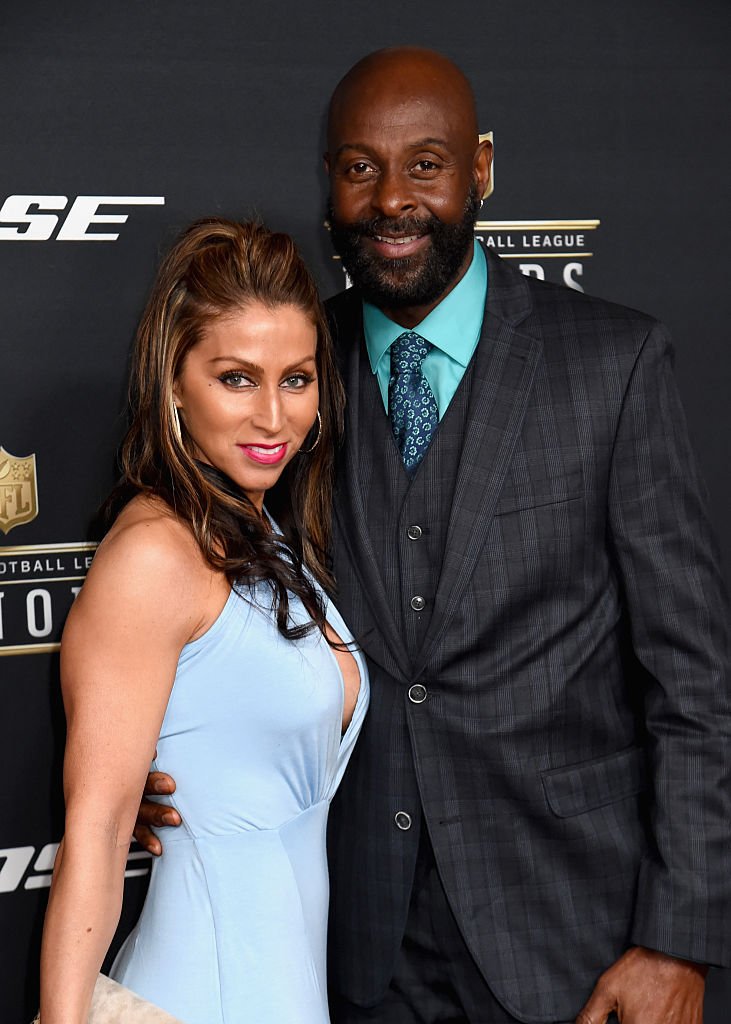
412, 280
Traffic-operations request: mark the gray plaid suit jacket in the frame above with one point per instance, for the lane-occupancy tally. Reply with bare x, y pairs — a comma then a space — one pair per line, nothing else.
571, 761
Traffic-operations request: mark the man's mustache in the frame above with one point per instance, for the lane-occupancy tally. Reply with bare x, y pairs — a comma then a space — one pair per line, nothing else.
389, 226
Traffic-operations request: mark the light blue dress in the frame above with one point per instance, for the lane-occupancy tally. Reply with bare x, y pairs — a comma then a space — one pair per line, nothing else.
234, 927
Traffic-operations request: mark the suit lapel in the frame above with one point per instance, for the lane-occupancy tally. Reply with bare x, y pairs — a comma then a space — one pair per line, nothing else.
505, 363
385, 644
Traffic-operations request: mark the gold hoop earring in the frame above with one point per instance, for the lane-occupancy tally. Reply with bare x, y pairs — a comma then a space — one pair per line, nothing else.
306, 451
176, 424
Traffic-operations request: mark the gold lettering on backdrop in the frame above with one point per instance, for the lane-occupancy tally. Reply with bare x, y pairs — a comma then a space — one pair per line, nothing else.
38, 584
18, 490
538, 244
540, 239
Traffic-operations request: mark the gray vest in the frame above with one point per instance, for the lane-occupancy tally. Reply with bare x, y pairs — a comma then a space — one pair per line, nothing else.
408, 519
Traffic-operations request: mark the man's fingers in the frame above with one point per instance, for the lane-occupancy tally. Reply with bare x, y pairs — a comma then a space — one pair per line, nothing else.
153, 815
600, 1005
159, 783
156, 815
150, 816
593, 1016
148, 840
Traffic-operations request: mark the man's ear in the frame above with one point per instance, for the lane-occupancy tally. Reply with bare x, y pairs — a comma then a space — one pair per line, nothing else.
483, 165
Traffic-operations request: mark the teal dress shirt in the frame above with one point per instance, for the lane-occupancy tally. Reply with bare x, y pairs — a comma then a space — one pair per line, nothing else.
453, 328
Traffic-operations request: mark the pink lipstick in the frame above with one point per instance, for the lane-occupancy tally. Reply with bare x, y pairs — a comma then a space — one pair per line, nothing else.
265, 454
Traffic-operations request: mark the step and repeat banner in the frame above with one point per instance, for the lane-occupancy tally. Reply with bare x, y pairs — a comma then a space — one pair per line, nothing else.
120, 123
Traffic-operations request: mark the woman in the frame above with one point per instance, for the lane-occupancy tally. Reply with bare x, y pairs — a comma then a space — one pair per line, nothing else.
202, 630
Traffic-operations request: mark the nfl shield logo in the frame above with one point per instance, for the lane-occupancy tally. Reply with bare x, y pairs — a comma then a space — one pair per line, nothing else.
18, 490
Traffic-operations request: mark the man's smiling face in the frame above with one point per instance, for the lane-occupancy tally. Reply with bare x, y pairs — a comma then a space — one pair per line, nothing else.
406, 174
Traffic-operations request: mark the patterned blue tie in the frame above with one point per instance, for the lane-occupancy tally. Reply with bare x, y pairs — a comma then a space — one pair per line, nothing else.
411, 402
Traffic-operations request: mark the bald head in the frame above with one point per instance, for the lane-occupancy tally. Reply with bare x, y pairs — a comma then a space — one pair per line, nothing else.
404, 75
407, 170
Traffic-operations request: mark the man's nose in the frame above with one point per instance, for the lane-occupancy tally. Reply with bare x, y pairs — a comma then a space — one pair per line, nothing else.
392, 195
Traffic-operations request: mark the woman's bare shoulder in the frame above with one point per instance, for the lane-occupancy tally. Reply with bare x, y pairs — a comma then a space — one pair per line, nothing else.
148, 528
149, 548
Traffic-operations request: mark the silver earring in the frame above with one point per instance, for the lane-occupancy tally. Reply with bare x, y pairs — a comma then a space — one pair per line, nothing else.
482, 203
306, 451
176, 424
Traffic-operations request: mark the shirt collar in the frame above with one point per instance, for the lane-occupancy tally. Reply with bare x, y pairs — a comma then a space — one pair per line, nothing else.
453, 326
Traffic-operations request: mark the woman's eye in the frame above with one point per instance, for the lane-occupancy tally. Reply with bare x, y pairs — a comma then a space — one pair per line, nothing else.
297, 380
234, 379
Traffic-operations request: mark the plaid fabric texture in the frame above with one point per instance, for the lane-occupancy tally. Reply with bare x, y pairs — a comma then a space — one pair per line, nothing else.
571, 756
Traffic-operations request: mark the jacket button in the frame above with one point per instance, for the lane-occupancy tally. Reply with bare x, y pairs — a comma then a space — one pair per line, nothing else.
403, 820
417, 693
418, 603
414, 532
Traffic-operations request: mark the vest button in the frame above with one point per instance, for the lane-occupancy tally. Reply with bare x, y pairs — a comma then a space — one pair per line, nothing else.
417, 693
418, 603
414, 532
403, 820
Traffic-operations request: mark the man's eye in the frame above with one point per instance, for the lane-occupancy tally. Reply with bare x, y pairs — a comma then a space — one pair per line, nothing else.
360, 168
235, 379
426, 166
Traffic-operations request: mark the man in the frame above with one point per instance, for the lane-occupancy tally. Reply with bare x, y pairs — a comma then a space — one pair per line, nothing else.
536, 817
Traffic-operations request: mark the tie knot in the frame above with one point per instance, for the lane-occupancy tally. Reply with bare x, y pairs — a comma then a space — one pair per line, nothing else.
408, 352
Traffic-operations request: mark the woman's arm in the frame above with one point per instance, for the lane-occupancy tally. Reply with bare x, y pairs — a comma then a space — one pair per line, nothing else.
140, 603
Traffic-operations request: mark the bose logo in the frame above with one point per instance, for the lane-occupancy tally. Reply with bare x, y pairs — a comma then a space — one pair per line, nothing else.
31, 225
15, 861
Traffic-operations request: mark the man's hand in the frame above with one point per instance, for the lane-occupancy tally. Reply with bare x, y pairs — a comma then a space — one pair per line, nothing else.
647, 987
154, 815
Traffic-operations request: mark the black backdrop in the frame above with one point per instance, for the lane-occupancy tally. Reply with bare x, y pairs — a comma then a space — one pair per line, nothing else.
609, 113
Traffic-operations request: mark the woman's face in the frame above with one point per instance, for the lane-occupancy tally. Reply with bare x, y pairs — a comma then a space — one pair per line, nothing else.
247, 393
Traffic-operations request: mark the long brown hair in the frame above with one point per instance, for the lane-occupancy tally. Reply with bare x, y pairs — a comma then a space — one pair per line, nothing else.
217, 266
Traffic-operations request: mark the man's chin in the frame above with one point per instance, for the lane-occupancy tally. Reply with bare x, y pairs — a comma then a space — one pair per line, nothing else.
391, 278
396, 293
394, 272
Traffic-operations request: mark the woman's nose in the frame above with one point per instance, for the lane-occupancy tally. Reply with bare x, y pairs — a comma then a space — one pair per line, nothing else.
268, 413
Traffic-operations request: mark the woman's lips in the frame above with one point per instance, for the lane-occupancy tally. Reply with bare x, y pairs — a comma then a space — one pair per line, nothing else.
397, 246
266, 454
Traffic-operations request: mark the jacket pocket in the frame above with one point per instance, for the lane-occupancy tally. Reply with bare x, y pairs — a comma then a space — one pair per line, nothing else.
576, 788
516, 504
